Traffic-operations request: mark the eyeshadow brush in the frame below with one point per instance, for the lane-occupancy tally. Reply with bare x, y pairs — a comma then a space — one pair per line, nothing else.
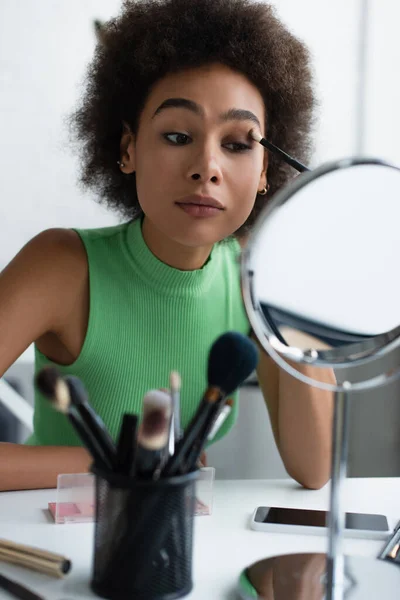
257, 137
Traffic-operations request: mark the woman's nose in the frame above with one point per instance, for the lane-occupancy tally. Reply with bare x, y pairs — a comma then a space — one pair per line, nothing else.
206, 168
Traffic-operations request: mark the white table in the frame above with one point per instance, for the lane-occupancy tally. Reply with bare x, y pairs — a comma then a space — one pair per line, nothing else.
224, 543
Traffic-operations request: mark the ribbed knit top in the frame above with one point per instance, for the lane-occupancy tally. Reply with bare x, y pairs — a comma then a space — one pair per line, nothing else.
145, 320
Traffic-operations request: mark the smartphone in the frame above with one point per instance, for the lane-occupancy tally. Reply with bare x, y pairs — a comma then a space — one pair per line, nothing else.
298, 520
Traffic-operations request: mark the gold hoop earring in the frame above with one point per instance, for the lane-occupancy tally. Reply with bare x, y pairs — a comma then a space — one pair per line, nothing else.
264, 191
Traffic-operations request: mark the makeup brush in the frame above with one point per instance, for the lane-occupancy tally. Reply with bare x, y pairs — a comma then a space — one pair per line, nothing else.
221, 418
91, 419
257, 137
153, 432
390, 546
49, 563
232, 358
152, 440
52, 385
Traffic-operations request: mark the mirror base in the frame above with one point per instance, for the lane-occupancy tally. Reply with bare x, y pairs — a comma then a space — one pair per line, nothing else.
303, 576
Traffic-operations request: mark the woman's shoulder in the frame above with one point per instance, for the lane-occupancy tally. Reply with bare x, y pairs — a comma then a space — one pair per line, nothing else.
63, 245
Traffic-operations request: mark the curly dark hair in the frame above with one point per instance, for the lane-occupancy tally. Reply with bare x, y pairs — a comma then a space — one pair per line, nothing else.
152, 38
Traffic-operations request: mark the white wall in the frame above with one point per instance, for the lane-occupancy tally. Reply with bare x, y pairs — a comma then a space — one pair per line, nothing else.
330, 31
44, 47
382, 131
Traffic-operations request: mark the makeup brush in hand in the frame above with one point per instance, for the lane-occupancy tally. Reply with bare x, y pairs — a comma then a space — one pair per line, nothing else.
232, 358
68, 396
257, 137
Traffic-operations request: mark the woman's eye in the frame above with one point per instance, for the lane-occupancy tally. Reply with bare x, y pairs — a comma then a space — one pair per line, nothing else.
182, 139
178, 139
237, 147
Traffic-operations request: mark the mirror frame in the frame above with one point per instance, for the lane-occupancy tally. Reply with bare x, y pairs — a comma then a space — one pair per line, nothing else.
356, 353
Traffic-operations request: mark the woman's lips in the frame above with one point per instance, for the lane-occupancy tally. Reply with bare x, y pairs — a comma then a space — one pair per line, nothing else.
199, 210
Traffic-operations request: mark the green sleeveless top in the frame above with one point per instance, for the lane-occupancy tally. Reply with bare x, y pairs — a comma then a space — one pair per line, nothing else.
145, 320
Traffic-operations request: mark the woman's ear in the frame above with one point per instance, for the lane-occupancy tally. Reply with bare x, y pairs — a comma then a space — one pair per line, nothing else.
127, 161
263, 183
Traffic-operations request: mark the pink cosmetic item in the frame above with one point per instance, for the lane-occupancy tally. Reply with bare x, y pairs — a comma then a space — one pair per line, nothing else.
71, 512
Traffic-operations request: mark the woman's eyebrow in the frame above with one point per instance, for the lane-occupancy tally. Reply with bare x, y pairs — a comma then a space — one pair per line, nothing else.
233, 114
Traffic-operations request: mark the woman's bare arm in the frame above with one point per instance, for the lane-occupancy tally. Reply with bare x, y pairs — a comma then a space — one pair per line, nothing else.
37, 293
36, 467
301, 419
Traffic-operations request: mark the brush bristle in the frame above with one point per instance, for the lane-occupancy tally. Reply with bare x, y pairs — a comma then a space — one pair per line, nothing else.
257, 137
175, 381
154, 429
51, 384
156, 400
233, 357
46, 380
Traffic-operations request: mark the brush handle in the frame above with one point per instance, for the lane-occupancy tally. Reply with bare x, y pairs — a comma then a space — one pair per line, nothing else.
193, 455
126, 445
6, 545
219, 421
171, 436
147, 461
286, 157
390, 544
176, 404
88, 440
48, 567
90, 418
194, 429
18, 590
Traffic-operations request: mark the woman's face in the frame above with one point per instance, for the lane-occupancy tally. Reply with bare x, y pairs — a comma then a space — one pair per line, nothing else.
192, 143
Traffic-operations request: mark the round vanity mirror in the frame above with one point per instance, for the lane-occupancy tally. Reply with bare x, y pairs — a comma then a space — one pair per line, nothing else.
320, 285
319, 270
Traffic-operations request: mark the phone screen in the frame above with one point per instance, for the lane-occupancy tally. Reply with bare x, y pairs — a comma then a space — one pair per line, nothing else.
317, 518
